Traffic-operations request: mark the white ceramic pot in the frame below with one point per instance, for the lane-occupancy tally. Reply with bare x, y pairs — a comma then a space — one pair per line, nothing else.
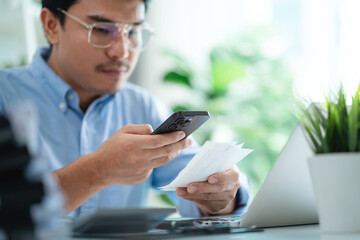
336, 181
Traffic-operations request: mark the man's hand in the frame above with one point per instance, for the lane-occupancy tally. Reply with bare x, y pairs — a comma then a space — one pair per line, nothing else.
214, 196
129, 156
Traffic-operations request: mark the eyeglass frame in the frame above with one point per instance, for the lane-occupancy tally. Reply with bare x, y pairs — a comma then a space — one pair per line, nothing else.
90, 27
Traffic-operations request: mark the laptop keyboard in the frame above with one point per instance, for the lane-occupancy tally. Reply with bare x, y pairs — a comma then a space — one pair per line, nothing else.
227, 221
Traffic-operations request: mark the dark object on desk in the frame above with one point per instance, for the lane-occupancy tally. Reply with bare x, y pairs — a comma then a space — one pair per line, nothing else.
17, 193
105, 221
212, 229
30, 202
190, 231
231, 221
185, 227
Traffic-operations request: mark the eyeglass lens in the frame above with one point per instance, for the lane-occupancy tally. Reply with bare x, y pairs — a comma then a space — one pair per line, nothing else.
103, 34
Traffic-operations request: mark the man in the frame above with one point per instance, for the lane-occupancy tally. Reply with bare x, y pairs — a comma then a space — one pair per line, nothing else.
95, 127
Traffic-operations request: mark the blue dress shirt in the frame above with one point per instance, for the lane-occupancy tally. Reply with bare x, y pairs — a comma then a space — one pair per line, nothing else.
66, 132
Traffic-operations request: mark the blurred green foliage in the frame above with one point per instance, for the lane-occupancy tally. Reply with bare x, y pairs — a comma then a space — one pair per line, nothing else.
19, 63
248, 92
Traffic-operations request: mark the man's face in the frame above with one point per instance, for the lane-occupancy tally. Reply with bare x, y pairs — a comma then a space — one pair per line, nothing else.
90, 70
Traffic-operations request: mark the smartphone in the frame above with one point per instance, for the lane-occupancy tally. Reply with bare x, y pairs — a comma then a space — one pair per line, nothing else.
186, 121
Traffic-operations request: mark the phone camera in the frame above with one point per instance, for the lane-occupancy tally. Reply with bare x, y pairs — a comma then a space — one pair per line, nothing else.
173, 127
186, 123
180, 121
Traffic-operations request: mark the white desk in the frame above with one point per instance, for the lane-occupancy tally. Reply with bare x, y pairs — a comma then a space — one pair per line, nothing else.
308, 232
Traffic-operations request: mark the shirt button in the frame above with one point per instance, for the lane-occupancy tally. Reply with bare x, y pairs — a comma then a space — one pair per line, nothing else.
71, 96
62, 105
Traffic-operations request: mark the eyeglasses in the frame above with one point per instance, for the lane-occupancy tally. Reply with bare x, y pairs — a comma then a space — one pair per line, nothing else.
104, 34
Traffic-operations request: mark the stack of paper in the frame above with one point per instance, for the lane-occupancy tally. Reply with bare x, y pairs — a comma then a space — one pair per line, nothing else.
212, 158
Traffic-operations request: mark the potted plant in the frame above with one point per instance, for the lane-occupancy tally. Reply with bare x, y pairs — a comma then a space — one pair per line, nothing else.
333, 131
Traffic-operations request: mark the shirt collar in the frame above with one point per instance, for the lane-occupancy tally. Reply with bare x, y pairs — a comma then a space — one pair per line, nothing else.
56, 87
59, 91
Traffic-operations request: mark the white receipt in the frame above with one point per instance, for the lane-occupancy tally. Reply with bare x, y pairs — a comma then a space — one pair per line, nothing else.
212, 158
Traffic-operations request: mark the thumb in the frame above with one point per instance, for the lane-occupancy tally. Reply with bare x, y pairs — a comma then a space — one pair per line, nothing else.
143, 129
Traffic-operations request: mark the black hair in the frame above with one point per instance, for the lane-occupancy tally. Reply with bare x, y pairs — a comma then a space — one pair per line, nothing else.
53, 5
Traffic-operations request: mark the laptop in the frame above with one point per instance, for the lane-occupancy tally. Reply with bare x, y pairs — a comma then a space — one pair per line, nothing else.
140, 223
285, 198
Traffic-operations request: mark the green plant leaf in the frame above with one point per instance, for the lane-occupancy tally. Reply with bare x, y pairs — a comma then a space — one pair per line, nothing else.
336, 129
181, 108
314, 125
163, 197
310, 126
182, 72
223, 73
176, 77
354, 122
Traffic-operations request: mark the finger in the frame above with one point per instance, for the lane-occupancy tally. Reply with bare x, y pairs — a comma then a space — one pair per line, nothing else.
137, 179
181, 191
168, 149
226, 177
204, 187
215, 196
221, 195
206, 202
209, 203
142, 129
213, 208
160, 140
163, 160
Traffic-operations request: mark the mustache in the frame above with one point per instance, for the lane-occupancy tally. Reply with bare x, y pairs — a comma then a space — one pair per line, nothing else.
118, 64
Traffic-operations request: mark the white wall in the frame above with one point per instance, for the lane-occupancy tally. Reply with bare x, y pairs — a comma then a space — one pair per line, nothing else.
192, 29
20, 30
322, 36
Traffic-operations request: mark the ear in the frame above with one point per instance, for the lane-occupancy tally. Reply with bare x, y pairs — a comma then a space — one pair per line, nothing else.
51, 26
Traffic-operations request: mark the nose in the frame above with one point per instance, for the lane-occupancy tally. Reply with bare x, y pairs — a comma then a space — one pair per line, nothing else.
119, 48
